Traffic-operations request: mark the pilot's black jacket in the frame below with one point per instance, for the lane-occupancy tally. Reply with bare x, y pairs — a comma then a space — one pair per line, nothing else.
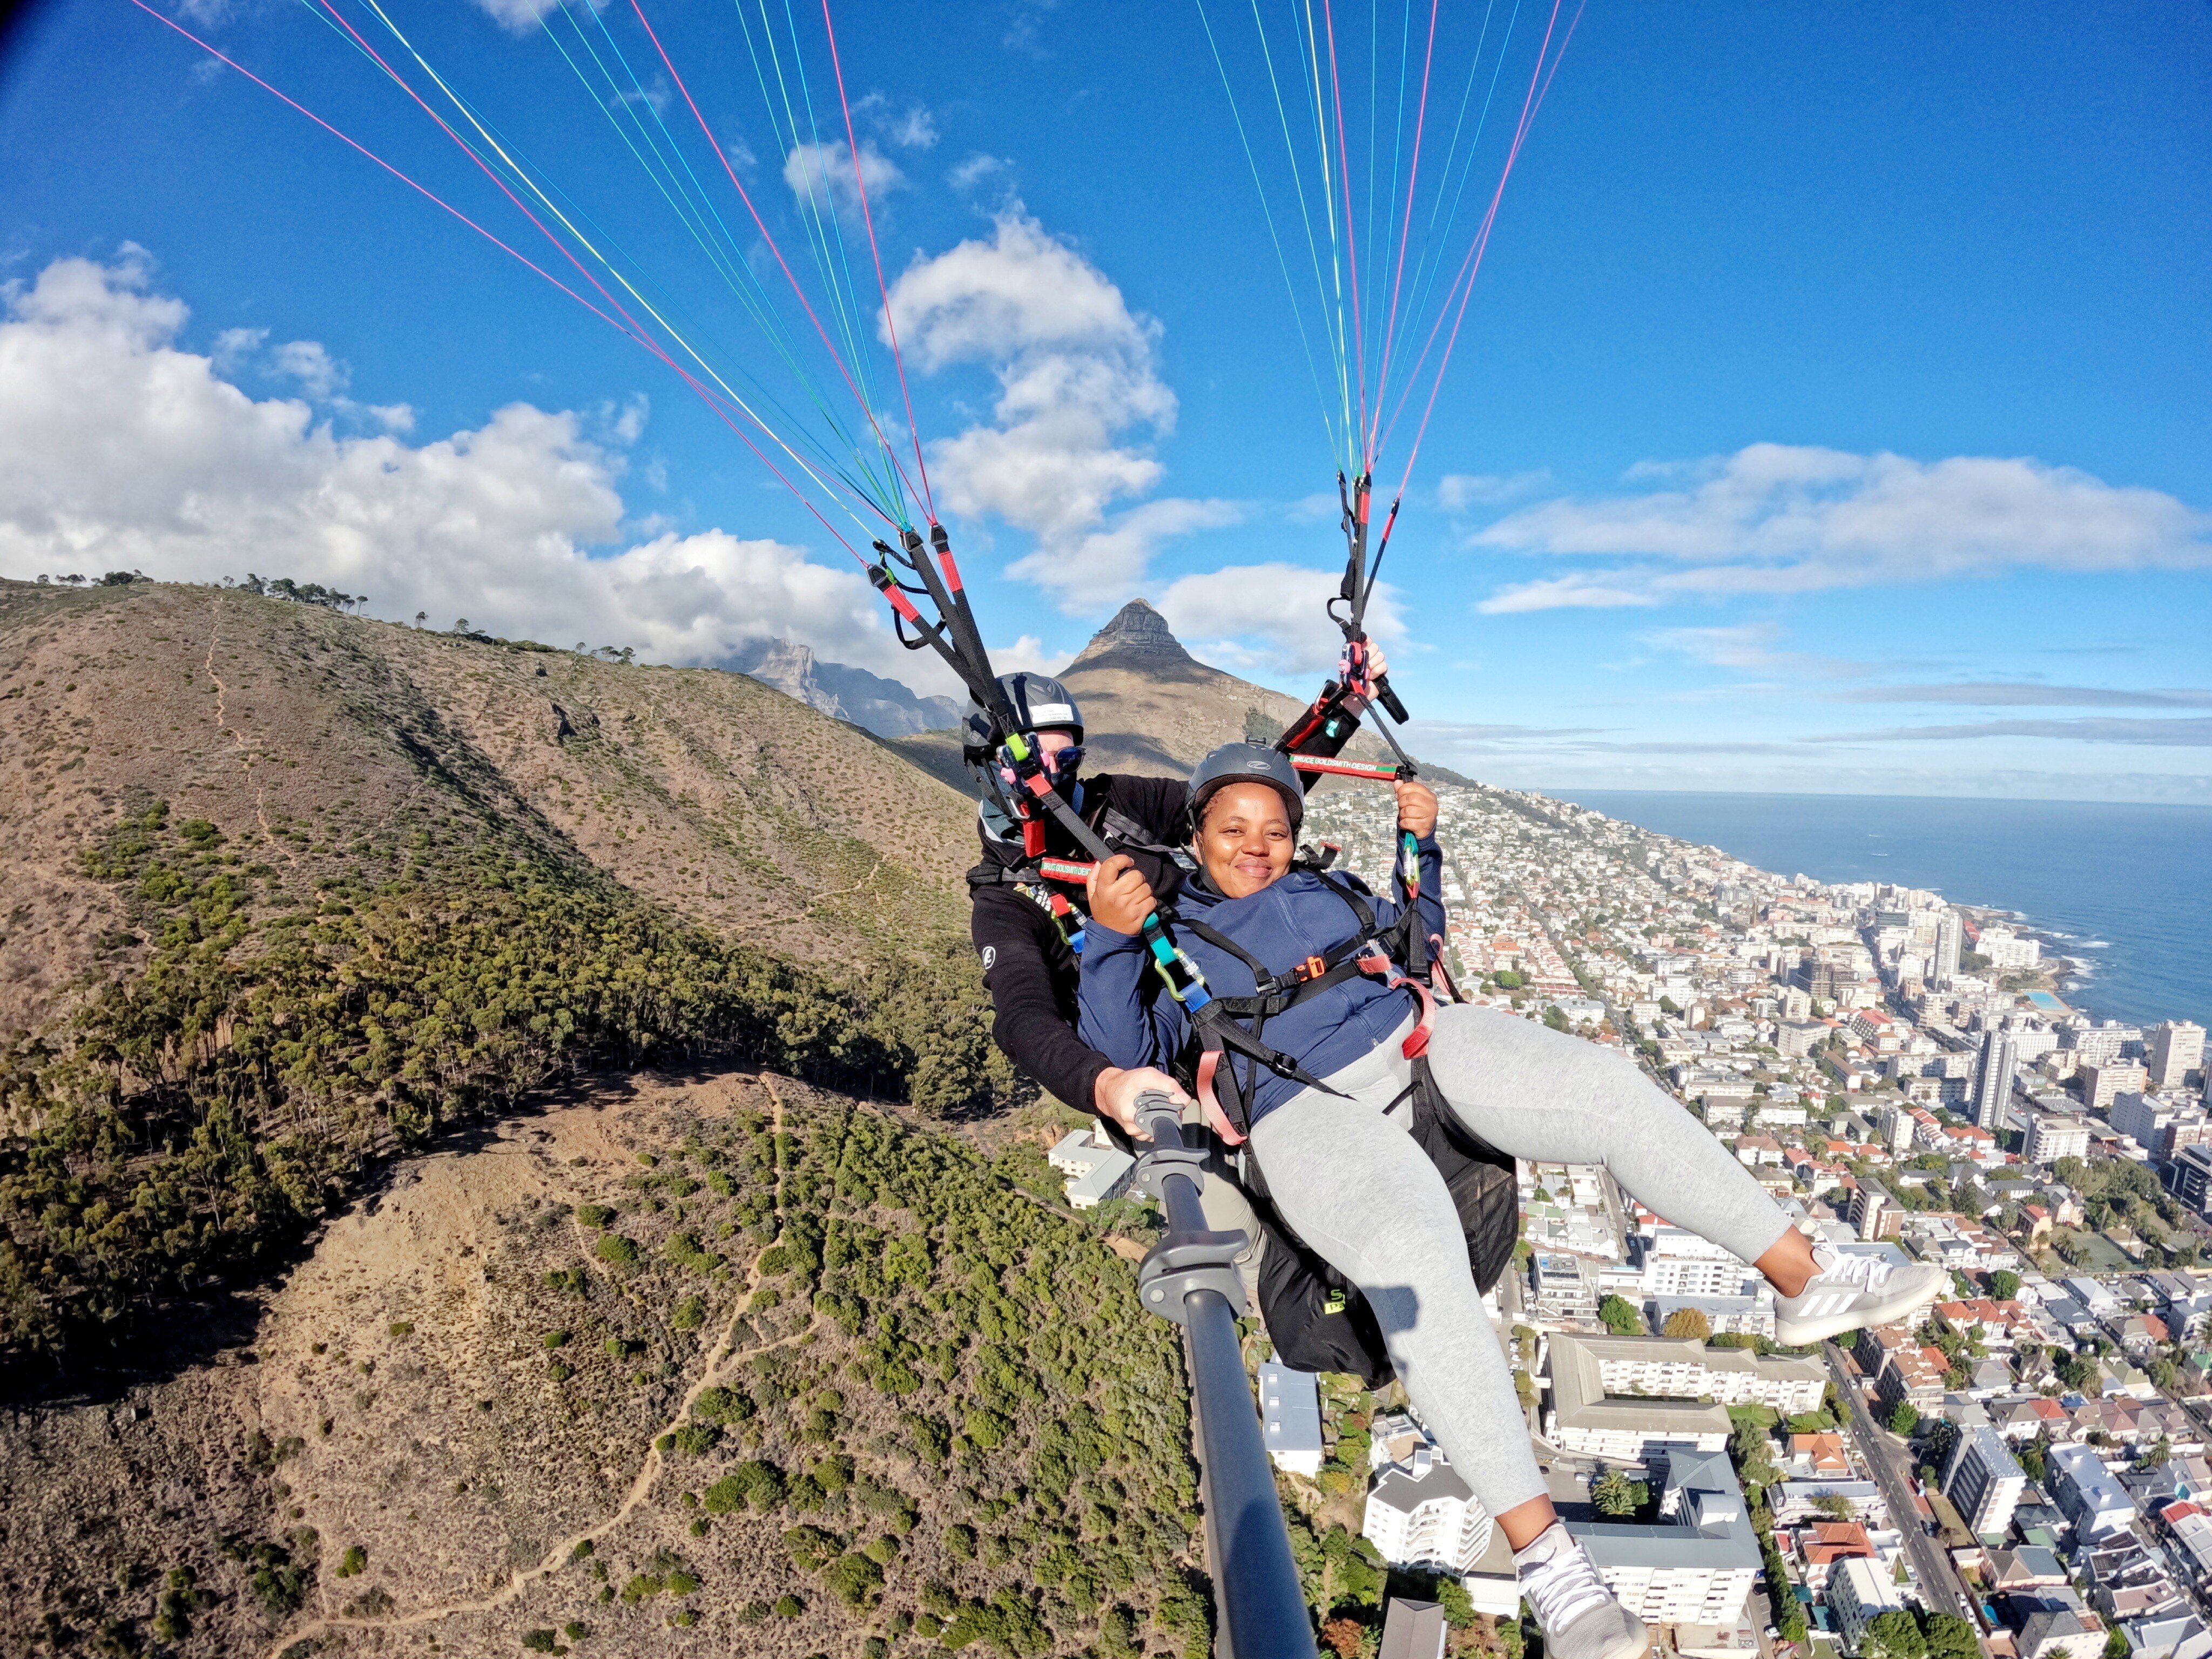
1030, 971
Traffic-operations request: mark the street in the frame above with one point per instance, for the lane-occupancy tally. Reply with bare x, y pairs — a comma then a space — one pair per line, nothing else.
1939, 1584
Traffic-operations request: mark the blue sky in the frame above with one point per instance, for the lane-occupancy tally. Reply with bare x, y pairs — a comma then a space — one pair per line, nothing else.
1829, 412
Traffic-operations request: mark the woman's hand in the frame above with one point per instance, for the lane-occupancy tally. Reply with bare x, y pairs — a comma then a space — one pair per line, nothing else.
1120, 899
1417, 808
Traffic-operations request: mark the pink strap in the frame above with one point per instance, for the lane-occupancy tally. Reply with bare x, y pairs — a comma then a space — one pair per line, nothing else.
1208, 1063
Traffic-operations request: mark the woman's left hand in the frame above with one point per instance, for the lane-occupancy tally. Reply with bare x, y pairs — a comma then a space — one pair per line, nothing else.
1417, 808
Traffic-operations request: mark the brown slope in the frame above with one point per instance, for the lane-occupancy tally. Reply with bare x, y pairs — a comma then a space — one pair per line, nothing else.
310, 739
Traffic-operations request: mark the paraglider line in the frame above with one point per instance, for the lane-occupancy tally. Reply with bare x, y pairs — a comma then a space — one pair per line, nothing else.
1350, 244
743, 195
890, 328
1464, 283
1405, 229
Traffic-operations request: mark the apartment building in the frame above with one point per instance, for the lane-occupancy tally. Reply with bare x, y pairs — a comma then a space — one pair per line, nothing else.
1984, 1482
1697, 1565
1421, 1514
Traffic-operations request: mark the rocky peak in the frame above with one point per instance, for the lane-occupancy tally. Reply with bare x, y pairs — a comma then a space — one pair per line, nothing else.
1137, 631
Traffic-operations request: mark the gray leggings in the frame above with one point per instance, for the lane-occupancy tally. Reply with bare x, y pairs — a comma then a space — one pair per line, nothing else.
1363, 1196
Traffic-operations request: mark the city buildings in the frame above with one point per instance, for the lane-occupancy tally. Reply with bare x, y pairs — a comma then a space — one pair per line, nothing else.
2101, 1083
1636, 1398
2177, 1048
2093, 1503
1697, 1565
1096, 1168
1421, 1514
1290, 1409
1859, 1592
1993, 1075
2054, 1135
1984, 1482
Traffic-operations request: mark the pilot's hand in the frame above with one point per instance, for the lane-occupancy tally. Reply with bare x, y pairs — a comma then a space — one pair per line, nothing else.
1117, 1091
1417, 808
1120, 899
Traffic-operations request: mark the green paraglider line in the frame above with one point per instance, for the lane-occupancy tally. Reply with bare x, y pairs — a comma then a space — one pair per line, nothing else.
628, 330
443, 126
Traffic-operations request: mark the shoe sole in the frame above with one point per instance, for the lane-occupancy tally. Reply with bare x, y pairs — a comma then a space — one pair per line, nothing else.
1883, 1313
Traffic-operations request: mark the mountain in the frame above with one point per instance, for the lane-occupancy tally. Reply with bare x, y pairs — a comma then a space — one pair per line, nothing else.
1149, 706
868, 700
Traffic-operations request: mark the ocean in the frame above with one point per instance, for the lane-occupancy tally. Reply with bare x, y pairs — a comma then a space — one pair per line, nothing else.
2124, 891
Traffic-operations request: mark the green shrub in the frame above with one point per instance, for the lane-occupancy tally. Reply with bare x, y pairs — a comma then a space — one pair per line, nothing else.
690, 1313
402, 1327
594, 1216
556, 1339
617, 1250
542, 1641
788, 1606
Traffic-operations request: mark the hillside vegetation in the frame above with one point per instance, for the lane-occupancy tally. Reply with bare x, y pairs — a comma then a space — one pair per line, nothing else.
288, 890
719, 1366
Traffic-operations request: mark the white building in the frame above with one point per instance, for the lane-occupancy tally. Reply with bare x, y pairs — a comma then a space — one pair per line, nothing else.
1984, 1482
1290, 1407
1422, 1515
1096, 1168
2177, 1048
2086, 1492
1633, 1398
1695, 1568
1677, 1262
2054, 1135
1859, 1591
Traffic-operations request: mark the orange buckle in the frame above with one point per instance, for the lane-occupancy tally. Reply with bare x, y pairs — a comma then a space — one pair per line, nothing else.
1311, 968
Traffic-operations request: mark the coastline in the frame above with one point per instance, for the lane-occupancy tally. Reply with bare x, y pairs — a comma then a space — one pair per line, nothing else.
2117, 891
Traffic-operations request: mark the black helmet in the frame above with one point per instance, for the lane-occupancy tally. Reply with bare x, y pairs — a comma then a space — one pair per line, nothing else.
1247, 763
1042, 703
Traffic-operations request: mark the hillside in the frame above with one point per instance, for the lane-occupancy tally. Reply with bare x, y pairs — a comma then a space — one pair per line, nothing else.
868, 700
314, 741
696, 1364
288, 892
1149, 706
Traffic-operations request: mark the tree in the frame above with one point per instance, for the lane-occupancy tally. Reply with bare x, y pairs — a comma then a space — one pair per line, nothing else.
1905, 1419
1341, 1636
421, 616
2004, 1285
460, 624
1834, 1505
1688, 1322
1894, 1636
1950, 1637
1616, 1495
1620, 1318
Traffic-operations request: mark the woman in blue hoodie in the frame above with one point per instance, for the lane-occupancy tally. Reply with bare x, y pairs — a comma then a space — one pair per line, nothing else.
1348, 1179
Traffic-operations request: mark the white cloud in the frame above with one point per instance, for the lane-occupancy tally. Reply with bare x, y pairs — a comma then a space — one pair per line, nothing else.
1272, 617
1029, 652
972, 172
320, 375
820, 173
521, 17
1456, 491
120, 450
1596, 590
234, 346
1075, 372
916, 129
1786, 519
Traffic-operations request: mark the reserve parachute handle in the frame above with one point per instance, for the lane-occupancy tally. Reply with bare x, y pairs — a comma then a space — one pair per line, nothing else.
1190, 1277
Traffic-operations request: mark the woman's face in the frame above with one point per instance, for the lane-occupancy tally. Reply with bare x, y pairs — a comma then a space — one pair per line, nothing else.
1245, 840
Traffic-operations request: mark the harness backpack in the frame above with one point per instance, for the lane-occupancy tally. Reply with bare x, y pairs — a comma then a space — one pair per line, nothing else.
1317, 1320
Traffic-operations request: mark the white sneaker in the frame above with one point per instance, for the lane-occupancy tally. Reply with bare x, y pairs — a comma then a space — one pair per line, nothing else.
1847, 1292
1577, 1613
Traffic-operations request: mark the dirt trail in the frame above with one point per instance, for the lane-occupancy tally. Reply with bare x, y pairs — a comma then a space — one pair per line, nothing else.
719, 1359
247, 754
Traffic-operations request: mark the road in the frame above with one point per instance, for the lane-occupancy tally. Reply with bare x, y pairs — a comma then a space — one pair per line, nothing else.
1939, 1584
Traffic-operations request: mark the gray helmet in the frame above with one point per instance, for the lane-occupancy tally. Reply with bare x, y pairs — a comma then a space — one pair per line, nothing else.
1042, 703
1247, 763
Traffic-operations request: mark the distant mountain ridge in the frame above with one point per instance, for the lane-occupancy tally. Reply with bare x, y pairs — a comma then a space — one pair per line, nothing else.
870, 702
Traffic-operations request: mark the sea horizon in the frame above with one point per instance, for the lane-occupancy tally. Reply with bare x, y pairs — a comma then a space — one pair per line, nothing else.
2118, 888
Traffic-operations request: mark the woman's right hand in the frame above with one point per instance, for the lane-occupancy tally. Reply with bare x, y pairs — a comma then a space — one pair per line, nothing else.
1120, 897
